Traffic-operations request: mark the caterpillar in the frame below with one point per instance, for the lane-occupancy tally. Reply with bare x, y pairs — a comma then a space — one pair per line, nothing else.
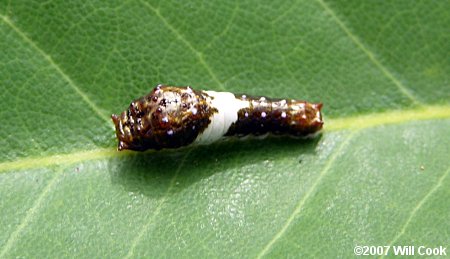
173, 117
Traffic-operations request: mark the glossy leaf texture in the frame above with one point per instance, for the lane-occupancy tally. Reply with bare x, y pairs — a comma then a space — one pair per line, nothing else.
377, 175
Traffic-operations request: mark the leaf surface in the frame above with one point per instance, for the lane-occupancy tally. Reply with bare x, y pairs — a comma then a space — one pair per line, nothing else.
378, 175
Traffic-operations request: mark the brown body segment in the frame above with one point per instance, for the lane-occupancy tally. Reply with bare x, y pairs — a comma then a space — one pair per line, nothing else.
277, 116
168, 117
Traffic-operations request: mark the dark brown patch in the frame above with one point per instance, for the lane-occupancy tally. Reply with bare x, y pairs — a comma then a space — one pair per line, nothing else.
168, 117
277, 116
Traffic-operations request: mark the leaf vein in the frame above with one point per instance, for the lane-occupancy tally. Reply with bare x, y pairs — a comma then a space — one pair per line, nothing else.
30, 215
305, 197
401, 87
163, 200
418, 206
227, 27
183, 39
58, 69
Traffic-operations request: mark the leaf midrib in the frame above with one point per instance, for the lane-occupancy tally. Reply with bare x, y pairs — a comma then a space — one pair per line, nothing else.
359, 122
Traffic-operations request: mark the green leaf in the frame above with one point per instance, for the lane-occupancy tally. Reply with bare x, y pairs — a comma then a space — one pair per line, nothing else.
378, 175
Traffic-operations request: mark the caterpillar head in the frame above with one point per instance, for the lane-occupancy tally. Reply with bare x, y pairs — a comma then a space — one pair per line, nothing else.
168, 117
